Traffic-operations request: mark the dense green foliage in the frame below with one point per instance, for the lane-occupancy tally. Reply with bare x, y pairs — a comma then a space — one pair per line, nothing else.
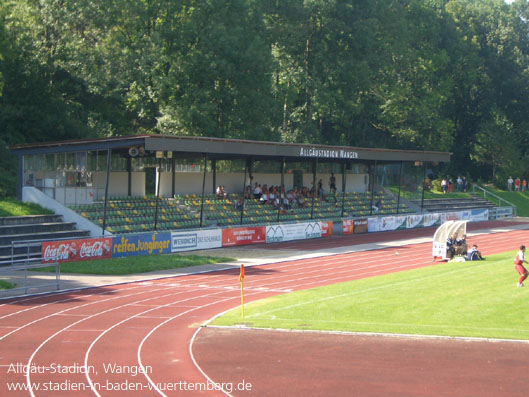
448, 75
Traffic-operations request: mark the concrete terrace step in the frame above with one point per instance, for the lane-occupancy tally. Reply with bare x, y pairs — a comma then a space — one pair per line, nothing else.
454, 204
7, 239
26, 228
29, 219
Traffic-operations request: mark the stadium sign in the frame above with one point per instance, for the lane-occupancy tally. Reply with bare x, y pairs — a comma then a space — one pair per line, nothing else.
205, 239
328, 153
141, 244
290, 232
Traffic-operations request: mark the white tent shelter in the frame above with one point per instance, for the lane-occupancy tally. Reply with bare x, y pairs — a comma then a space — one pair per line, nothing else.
443, 232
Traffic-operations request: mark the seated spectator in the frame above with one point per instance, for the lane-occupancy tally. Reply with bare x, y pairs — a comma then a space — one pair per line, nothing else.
248, 193
301, 201
474, 255
257, 191
272, 194
238, 204
461, 247
286, 203
451, 246
376, 206
221, 194
264, 196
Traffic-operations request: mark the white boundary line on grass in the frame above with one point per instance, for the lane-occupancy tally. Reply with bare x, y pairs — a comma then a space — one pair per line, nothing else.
379, 334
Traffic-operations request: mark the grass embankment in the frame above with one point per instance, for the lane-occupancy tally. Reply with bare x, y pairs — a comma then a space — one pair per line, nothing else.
472, 299
136, 264
13, 207
519, 199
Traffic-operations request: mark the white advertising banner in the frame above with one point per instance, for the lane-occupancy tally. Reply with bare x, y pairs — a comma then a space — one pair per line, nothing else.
295, 231
413, 221
430, 220
201, 239
480, 215
372, 225
391, 223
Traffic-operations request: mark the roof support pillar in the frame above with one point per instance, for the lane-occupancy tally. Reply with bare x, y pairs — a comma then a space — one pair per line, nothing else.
109, 151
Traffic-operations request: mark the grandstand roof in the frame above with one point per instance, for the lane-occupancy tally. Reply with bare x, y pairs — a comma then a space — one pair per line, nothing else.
188, 146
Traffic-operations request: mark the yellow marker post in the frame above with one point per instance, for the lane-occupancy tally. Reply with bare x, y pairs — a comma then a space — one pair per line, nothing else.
241, 279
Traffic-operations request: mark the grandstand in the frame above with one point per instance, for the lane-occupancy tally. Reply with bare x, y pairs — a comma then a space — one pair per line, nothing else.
153, 182
141, 214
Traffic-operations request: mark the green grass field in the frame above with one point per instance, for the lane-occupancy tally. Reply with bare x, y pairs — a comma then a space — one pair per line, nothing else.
135, 264
472, 299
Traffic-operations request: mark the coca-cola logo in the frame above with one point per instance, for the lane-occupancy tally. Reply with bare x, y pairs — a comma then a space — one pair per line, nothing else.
66, 251
98, 248
60, 253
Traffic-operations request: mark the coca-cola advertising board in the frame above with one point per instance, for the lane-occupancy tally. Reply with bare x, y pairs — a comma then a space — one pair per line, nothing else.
76, 250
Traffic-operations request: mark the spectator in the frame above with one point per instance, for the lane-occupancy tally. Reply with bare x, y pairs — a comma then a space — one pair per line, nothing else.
459, 184
509, 184
257, 191
320, 189
376, 206
332, 183
474, 255
264, 195
465, 183
221, 193
517, 184
450, 246
443, 185
450, 185
524, 185
461, 247
238, 204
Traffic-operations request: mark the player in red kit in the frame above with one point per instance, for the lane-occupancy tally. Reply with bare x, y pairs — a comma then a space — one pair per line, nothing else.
519, 260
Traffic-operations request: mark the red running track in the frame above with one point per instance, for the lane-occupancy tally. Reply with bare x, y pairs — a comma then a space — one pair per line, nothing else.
134, 339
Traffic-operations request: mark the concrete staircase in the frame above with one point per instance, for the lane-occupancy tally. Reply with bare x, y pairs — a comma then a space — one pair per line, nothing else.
455, 204
33, 227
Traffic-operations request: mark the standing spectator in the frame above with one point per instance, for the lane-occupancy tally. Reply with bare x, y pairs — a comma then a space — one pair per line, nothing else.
465, 184
524, 185
450, 185
459, 184
509, 184
443, 185
517, 184
332, 183
320, 189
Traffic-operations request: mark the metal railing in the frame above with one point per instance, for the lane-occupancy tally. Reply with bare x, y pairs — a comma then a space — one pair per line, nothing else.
496, 197
21, 263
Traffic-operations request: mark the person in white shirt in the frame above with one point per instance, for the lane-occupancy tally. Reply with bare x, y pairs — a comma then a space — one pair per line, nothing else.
519, 260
